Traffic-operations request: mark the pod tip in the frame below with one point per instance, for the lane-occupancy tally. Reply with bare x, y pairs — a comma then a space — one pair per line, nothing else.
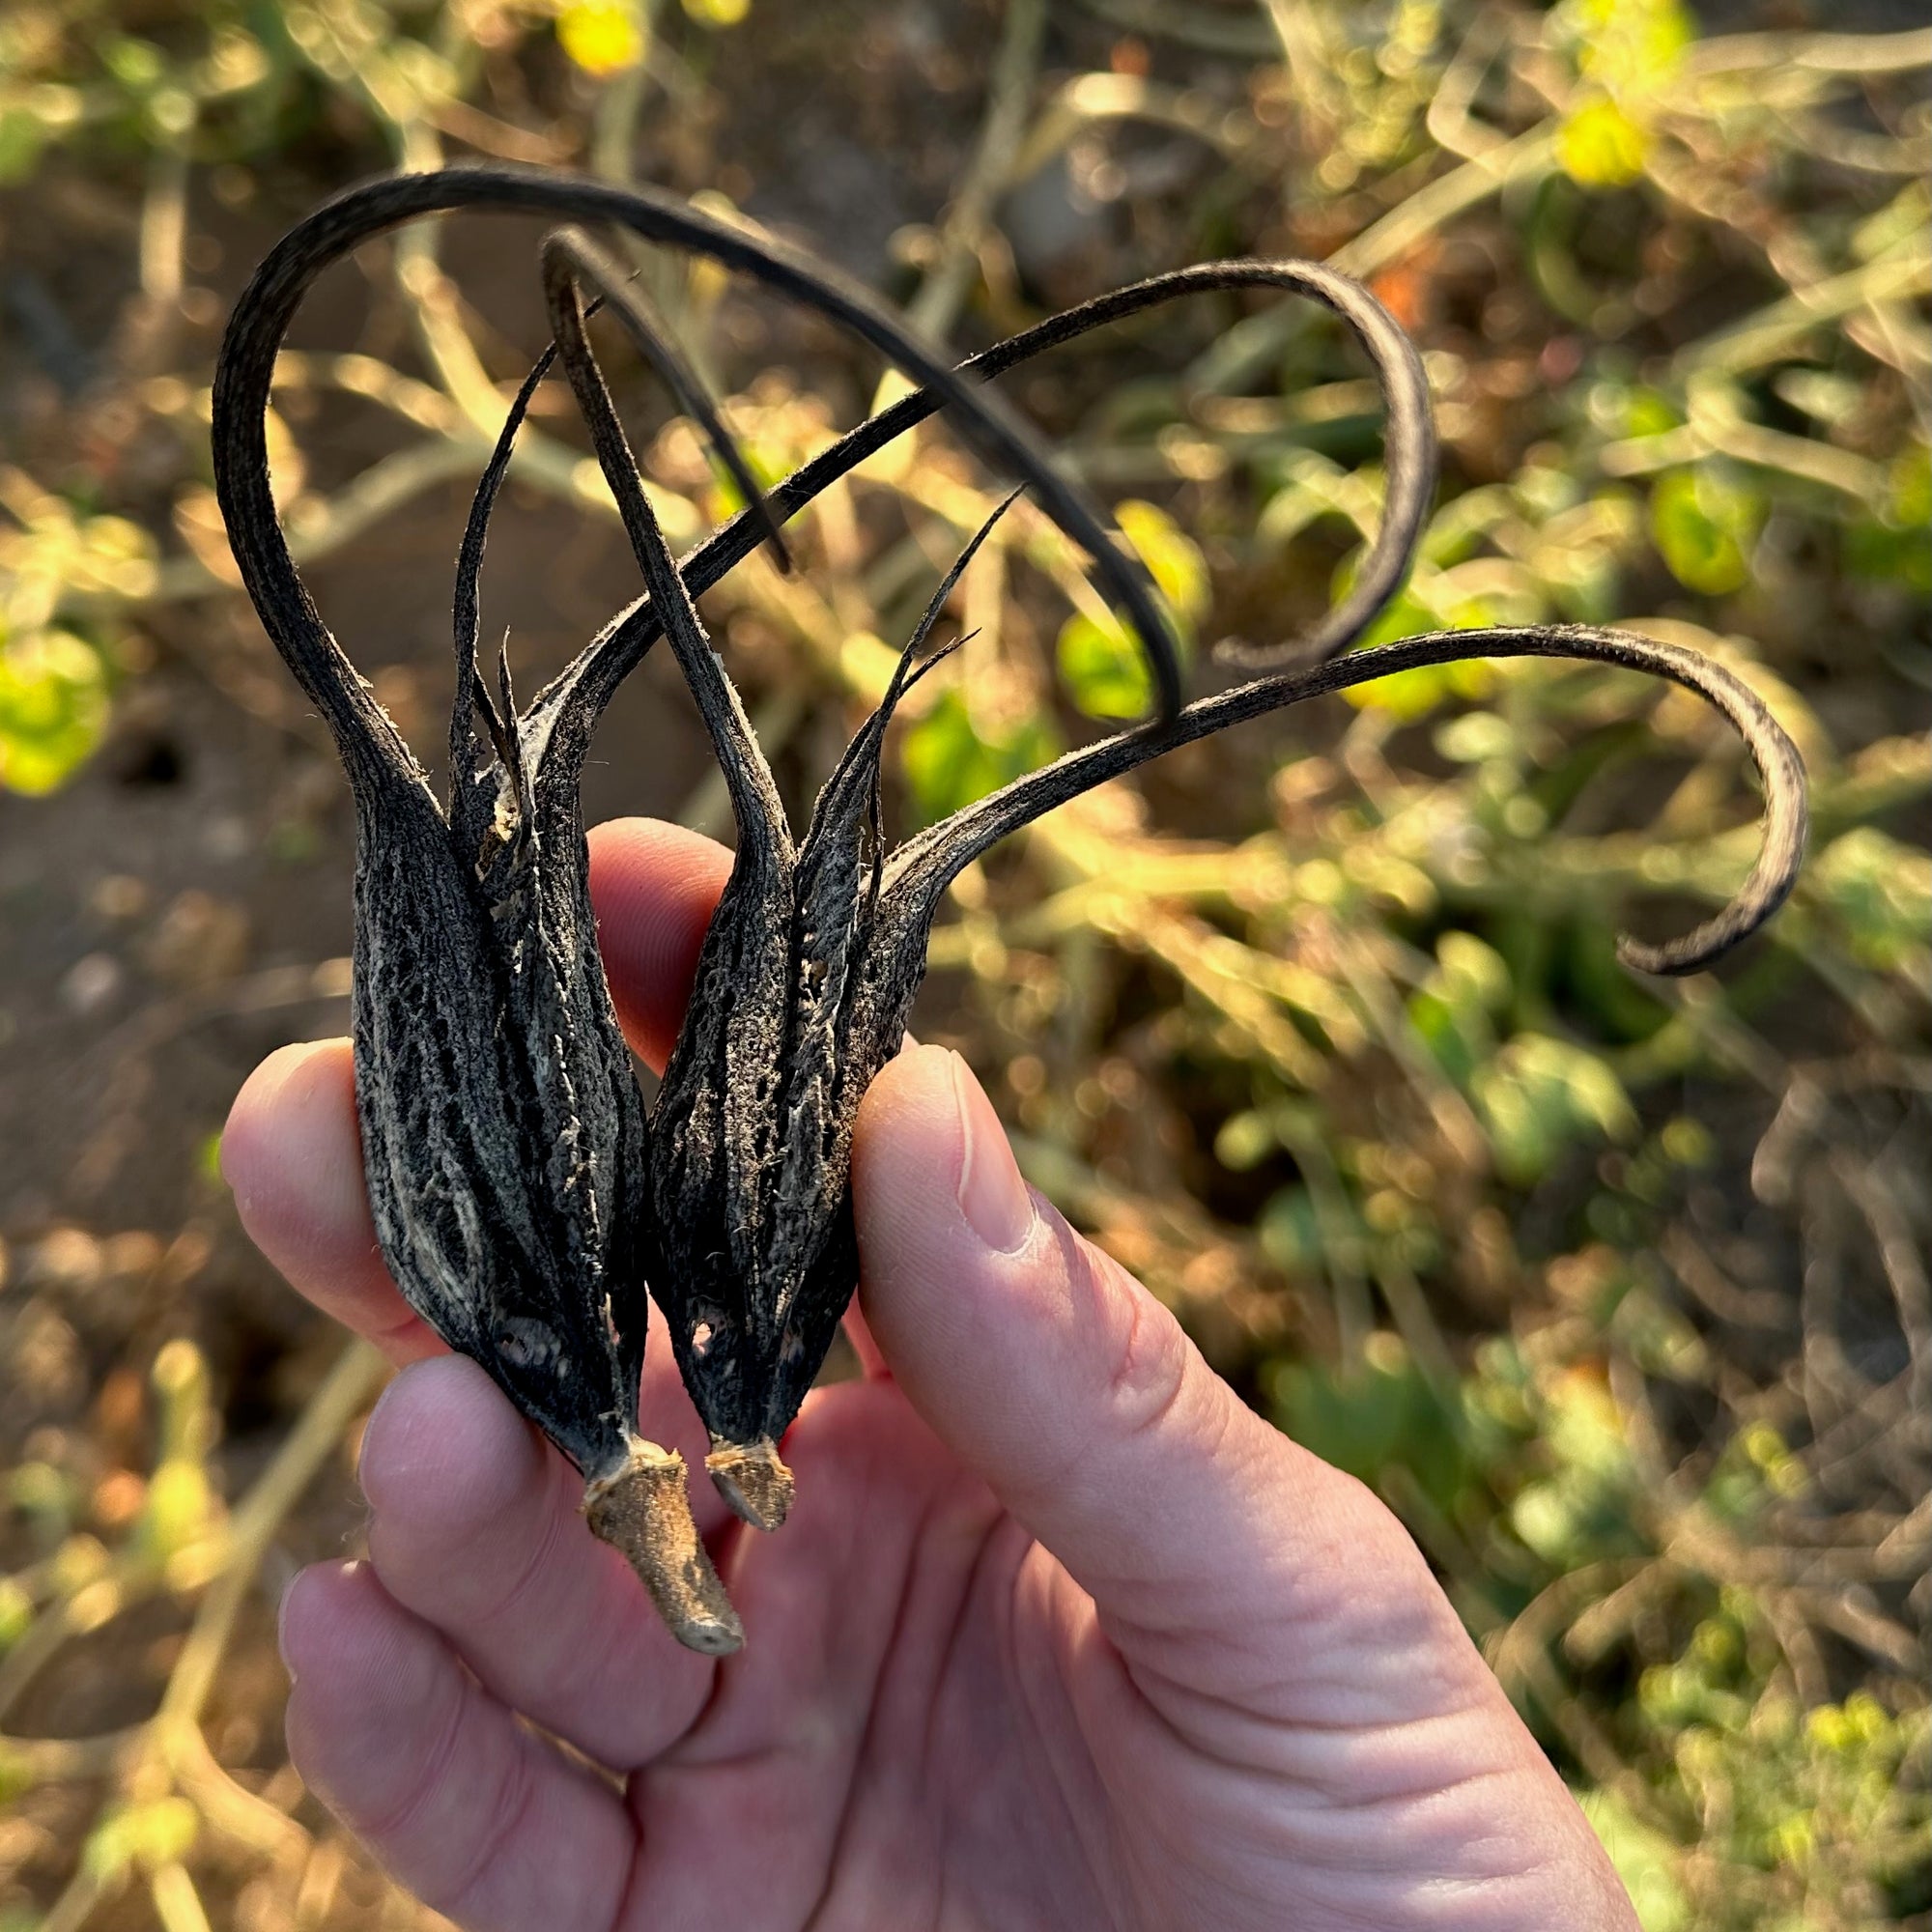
752, 1479
642, 1510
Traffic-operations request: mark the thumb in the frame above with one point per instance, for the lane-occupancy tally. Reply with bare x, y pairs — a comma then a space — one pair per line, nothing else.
1197, 1528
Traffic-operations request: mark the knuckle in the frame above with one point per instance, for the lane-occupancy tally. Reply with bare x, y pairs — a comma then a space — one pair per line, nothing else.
1148, 1358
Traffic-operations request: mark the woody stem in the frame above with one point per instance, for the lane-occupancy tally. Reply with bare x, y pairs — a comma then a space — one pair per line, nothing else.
642, 1511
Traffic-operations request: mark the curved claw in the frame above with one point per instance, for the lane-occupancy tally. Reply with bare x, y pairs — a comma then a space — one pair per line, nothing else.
1408, 440
1786, 822
261, 319
924, 865
862, 756
473, 698
755, 796
651, 335
473, 695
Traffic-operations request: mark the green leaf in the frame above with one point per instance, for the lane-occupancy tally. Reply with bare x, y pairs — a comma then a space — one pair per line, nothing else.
1705, 523
1911, 482
1882, 891
1425, 603
23, 137
1650, 413
1584, 1433
138, 64
1173, 557
1289, 1231
1381, 1416
1894, 546
159, 1833
180, 1507
1550, 1520
1409, 695
1101, 664
1458, 1047
1473, 973
16, 1613
1476, 737
53, 709
1601, 986
949, 764
1538, 1096
1102, 669
1646, 1862
1245, 1140
1454, 1011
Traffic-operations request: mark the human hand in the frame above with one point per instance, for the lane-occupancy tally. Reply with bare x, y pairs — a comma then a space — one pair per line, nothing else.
1058, 1633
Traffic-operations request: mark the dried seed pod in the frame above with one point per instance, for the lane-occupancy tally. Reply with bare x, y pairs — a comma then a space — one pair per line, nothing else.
801, 993
503, 1133
736, 1202
816, 954
810, 965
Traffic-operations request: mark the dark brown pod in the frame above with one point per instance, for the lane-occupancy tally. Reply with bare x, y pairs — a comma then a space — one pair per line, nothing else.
816, 951
521, 1197
504, 1134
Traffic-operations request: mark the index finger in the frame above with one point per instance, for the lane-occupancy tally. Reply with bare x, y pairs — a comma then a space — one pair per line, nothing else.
292, 1151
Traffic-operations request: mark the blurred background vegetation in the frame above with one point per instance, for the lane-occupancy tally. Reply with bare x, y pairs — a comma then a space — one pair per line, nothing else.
1617, 1290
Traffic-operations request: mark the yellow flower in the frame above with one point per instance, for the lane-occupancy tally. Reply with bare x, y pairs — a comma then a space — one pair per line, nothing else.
1600, 146
600, 37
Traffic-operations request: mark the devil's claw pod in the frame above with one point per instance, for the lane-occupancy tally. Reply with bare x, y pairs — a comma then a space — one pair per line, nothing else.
505, 1138
522, 1199
806, 982
803, 985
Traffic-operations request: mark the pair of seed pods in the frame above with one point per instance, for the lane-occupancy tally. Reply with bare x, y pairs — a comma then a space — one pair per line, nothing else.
523, 1197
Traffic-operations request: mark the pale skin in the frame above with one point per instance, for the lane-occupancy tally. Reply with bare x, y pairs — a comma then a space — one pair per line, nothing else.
1059, 1634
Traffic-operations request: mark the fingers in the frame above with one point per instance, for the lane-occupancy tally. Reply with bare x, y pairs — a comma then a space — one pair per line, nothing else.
476, 1531
654, 887
1195, 1526
478, 1817
292, 1153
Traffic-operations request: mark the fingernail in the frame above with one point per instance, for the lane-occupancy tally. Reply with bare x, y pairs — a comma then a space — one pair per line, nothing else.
302, 1578
992, 1196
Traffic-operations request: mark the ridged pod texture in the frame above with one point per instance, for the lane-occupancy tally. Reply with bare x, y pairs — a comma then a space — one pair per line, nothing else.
504, 1137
